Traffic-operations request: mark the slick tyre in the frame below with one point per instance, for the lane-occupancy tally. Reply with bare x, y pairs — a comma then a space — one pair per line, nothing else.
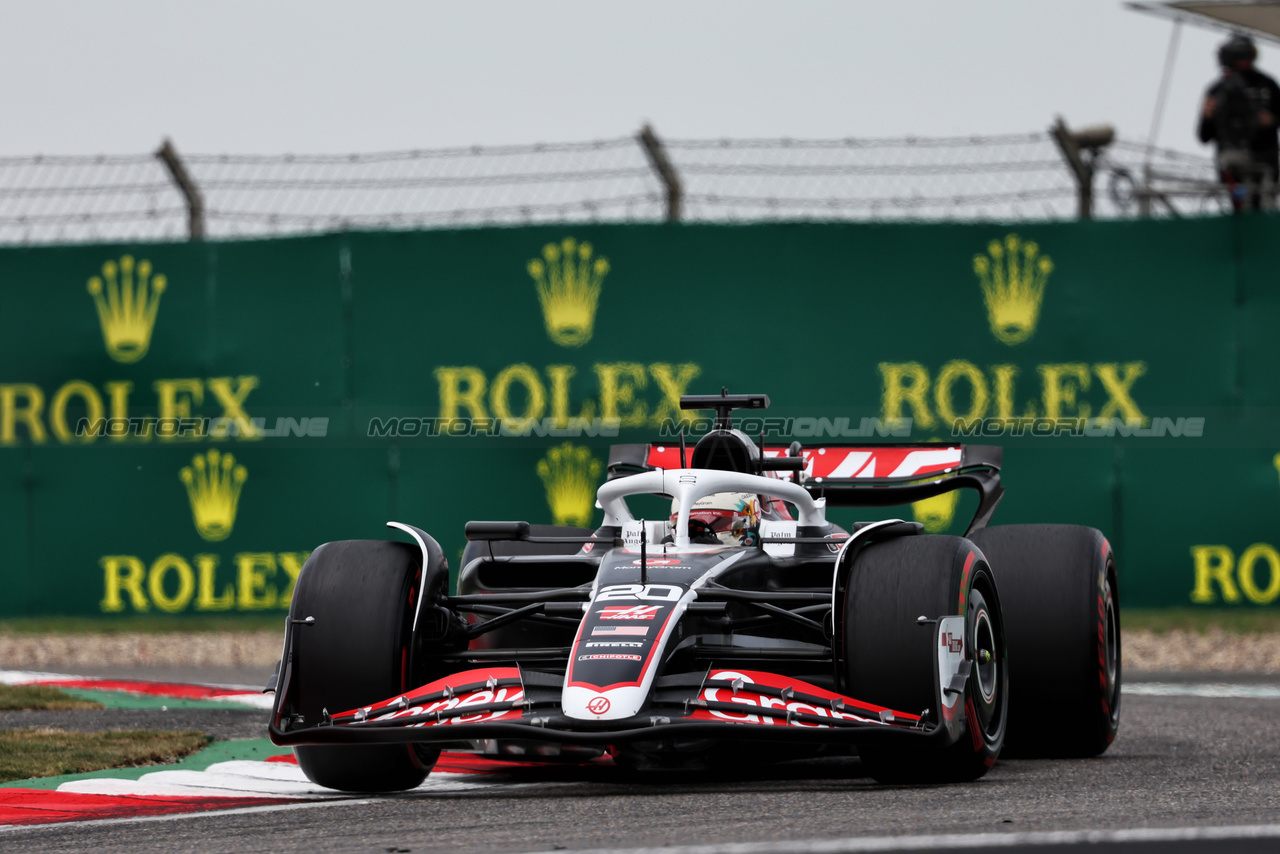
357, 652
1062, 618
889, 658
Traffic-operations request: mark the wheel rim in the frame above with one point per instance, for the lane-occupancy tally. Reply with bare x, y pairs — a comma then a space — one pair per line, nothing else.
987, 642
988, 672
1111, 638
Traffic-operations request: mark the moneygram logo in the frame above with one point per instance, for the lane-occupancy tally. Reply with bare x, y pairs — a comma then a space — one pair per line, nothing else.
127, 298
568, 279
213, 482
1012, 275
570, 474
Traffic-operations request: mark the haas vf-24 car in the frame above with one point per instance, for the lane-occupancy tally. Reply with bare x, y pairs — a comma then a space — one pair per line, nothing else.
738, 626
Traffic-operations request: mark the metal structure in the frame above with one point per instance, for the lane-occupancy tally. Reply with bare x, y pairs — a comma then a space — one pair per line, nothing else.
1010, 177
1260, 18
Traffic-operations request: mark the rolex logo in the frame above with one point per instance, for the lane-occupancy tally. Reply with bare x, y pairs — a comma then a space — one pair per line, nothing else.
570, 474
127, 298
568, 280
1276, 460
213, 483
937, 512
1012, 275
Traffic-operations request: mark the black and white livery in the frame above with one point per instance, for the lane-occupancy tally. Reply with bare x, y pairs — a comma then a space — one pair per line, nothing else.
740, 625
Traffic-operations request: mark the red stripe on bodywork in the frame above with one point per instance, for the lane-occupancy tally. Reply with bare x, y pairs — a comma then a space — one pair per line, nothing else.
644, 668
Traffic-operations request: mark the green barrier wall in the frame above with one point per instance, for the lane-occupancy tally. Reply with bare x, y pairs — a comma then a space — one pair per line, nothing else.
1153, 342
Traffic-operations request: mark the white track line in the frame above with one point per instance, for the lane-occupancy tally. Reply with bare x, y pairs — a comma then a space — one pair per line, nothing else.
961, 841
1203, 689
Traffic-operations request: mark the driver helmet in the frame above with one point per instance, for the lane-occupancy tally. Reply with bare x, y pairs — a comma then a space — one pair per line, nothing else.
732, 517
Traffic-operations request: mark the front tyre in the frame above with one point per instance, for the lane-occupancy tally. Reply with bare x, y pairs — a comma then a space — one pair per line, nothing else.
889, 658
1062, 609
361, 593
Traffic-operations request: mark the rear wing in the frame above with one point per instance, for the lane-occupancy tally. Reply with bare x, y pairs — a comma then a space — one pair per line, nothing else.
864, 475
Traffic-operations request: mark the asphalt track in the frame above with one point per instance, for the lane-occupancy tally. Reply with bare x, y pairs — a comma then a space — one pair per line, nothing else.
1193, 763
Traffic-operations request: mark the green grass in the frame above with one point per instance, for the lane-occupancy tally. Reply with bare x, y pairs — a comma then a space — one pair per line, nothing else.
1200, 620
28, 753
252, 749
40, 697
144, 623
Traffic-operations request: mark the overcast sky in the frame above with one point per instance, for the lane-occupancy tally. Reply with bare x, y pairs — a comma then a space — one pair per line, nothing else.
327, 76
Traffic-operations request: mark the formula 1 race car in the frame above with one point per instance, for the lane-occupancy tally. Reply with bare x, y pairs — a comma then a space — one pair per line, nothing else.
743, 627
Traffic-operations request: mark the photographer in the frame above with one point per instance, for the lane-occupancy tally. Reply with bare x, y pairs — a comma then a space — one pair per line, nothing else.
1240, 112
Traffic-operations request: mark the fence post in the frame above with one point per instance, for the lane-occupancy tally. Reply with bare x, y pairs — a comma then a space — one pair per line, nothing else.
1074, 145
1144, 193
195, 204
666, 172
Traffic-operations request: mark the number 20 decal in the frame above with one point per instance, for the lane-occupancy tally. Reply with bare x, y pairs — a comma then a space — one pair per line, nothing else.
652, 592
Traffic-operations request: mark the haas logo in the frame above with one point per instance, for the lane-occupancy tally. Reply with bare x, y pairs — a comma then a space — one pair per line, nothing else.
598, 705
635, 612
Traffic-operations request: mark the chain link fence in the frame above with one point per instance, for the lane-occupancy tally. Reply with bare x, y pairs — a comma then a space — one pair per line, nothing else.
71, 199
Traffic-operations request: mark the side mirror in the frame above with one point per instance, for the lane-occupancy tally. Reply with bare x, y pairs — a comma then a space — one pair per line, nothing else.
497, 531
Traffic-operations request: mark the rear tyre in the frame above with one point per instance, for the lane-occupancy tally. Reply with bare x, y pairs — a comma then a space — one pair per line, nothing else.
889, 658
361, 593
1062, 616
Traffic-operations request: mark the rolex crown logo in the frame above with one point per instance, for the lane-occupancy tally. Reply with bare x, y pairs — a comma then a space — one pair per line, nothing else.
1012, 275
127, 298
937, 512
213, 483
568, 280
570, 474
